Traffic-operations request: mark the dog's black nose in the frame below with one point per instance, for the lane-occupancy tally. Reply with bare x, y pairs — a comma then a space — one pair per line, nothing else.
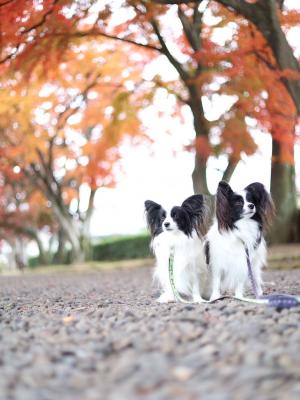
167, 224
251, 206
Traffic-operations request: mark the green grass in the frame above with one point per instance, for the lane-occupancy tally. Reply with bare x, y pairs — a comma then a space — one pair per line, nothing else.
122, 248
115, 248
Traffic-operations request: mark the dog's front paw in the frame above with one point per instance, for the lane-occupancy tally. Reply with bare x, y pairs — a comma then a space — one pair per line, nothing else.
166, 298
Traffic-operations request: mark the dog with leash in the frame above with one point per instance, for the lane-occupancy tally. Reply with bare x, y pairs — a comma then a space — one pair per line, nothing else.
236, 241
178, 233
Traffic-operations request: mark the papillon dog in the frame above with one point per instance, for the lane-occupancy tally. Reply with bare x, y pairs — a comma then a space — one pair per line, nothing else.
179, 230
241, 220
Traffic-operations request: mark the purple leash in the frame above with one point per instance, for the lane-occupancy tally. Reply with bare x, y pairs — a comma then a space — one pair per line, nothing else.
278, 301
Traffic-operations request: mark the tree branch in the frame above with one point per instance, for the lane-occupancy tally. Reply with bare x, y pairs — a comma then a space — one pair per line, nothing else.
7, 2
164, 49
109, 36
229, 170
50, 180
43, 20
191, 30
10, 55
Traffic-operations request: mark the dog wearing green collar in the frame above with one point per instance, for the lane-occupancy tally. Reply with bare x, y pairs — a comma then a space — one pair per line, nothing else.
177, 233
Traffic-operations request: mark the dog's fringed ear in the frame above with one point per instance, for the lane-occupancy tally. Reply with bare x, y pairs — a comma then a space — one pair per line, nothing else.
223, 211
198, 212
153, 222
151, 206
263, 202
224, 188
194, 205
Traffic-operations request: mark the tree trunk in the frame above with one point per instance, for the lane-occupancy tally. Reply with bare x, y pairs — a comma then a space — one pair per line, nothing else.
18, 257
231, 166
43, 256
60, 255
71, 231
283, 189
199, 175
85, 238
201, 130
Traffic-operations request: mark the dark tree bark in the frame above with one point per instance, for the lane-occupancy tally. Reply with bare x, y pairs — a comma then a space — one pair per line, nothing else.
60, 256
231, 166
201, 129
43, 255
199, 175
283, 189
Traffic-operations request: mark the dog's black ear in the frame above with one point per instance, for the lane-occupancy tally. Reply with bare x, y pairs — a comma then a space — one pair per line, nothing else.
224, 188
194, 205
153, 211
196, 211
262, 200
223, 210
151, 206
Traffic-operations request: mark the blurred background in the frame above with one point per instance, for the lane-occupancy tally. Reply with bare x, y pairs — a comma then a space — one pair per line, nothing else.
105, 104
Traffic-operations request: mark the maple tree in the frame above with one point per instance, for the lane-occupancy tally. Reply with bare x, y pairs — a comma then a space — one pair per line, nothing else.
64, 133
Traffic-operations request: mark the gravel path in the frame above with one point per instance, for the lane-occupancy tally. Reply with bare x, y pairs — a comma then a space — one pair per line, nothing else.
102, 336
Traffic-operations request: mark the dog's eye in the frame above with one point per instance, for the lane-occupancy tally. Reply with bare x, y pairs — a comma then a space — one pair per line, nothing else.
163, 217
173, 214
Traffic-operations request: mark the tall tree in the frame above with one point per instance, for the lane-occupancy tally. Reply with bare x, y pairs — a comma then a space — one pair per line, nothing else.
71, 129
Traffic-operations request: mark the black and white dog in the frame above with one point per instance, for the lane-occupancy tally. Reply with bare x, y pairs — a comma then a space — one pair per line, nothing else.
179, 230
241, 220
